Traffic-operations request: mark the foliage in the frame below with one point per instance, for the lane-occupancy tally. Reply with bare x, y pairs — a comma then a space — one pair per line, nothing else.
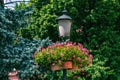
102, 36
21, 5
95, 23
62, 52
98, 71
44, 25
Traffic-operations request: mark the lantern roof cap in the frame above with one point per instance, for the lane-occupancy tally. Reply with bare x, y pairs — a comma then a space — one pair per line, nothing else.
64, 16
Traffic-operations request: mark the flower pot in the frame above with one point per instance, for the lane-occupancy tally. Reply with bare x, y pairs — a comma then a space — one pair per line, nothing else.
67, 65
13, 75
55, 67
75, 67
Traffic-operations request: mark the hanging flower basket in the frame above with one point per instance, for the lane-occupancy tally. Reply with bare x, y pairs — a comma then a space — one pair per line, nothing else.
64, 54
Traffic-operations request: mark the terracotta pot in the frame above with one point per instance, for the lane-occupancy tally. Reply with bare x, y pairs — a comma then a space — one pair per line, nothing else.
13, 75
75, 67
55, 67
67, 65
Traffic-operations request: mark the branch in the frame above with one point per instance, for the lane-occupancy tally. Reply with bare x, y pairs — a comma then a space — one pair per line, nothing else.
15, 2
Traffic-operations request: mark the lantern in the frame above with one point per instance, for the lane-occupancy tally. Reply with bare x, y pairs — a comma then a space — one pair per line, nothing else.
64, 23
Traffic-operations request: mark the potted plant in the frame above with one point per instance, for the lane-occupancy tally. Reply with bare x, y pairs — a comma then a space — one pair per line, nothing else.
66, 55
13, 75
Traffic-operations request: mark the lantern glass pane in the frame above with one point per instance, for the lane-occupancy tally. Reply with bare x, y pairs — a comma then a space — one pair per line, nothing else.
64, 27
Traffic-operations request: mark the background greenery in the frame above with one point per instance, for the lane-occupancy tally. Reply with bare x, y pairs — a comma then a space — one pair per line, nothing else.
95, 24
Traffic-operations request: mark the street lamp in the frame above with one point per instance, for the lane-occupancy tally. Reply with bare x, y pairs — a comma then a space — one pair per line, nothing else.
64, 23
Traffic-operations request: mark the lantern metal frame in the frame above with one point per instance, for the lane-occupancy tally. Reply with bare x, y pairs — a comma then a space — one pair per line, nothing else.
65, 24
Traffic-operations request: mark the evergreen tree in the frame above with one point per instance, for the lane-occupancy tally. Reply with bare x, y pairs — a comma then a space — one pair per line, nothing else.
17, 52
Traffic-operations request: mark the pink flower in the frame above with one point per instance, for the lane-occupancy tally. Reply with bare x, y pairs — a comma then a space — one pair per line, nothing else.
59, 44
49, 47
80, 45
69, 43
74, 43
90, 59
81, 65
84, 50
90, 55
78, 59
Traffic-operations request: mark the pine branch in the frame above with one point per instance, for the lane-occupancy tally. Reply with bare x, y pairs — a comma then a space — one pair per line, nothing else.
14, 2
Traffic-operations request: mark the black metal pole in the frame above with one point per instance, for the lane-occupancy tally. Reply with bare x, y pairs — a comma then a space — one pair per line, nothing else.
64, 74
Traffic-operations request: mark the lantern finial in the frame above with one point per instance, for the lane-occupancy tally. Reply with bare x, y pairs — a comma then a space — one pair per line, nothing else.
64, 11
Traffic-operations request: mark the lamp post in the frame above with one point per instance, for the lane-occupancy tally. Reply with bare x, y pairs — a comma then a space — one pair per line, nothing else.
64, 23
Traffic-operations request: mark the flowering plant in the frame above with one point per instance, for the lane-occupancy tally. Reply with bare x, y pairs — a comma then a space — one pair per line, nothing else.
60, 52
